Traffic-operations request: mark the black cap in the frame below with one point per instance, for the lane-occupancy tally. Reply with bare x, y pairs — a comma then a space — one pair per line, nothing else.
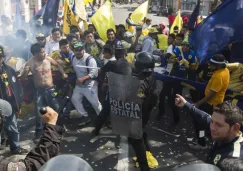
218, 59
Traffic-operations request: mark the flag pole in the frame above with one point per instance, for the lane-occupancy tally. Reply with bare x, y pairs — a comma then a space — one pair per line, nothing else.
179, 5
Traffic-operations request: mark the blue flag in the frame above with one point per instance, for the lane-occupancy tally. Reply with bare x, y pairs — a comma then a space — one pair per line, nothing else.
193, 17
219, 29
50, 14
18, 16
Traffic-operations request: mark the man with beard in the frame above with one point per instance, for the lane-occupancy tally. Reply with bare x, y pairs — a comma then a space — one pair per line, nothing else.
86, 70
12, 92
46, 95
223, 127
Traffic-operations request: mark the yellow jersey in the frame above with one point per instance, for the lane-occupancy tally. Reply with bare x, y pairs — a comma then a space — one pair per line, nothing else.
236, 77
218, 83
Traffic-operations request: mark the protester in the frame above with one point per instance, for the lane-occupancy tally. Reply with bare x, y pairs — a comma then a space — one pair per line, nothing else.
94, 47
236, 77
179, 39
46, 94
72, 39
86, 84
22, 48
147, 25
41, 39
11, 91
91, 28
130, 24
63, 56
53, 44
214, 92
171, 19
120, 32
148, 41
223, 127
112, 41
171, 40
138, 42
184, 62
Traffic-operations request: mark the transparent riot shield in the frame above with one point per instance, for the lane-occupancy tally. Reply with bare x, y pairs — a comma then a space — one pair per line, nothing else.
66, 163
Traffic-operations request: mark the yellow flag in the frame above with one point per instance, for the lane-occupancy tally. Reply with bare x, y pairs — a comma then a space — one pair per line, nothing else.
177, 22
87, 1
69, 18
140, 12
103, 20
80, 11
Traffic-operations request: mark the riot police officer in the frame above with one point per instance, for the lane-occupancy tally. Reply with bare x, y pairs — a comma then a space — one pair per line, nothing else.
144, 69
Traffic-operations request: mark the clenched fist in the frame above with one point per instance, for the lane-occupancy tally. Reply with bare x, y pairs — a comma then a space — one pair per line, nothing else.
50, 117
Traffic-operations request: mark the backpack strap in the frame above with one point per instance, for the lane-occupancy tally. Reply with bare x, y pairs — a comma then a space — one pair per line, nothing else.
87, 62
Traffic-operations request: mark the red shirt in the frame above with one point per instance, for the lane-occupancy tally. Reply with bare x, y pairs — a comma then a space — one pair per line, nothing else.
185, 19
171, 19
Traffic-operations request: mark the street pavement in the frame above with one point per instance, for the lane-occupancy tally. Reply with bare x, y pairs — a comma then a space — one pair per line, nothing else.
169, 143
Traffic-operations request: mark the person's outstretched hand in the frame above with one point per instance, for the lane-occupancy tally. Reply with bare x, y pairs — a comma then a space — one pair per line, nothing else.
50, 117
180, 101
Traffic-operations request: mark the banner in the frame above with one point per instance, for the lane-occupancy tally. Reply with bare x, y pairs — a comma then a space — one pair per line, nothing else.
125, 105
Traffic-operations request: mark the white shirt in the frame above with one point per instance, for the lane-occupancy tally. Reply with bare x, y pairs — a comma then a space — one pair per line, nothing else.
107, 60
146, 26
51, 46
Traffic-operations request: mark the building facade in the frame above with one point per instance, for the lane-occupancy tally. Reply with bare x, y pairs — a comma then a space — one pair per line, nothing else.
187, 5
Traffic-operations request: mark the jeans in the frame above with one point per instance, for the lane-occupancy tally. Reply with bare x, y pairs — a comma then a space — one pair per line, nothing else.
12, 132
44, 97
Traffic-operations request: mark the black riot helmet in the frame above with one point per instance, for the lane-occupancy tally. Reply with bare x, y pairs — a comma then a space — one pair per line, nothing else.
144, 62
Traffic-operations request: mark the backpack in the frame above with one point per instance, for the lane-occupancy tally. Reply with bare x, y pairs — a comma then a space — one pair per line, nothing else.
87, 63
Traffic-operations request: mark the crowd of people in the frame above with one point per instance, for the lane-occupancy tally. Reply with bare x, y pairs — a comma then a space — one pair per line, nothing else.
77, 64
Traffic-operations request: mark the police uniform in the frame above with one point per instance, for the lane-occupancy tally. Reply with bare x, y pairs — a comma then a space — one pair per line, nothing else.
11, 91
144, 65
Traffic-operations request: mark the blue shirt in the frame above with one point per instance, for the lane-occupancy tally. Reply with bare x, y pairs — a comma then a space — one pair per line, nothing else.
181, 70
